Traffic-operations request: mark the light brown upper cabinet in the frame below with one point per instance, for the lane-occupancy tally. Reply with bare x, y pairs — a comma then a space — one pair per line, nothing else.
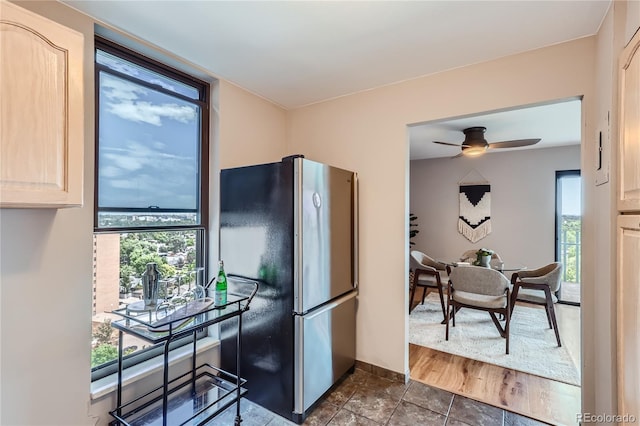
41, 111
629, 154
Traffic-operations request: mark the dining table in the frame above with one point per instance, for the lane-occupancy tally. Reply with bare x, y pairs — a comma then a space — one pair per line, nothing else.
498, 266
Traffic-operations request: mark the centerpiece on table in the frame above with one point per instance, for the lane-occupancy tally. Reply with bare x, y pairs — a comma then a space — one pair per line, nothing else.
483, 257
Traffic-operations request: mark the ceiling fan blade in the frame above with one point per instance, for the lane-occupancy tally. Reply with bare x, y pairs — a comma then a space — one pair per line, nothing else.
456, 156
447, 143
514, 144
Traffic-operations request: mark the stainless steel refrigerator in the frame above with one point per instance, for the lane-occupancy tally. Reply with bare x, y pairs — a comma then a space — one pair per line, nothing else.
292, 226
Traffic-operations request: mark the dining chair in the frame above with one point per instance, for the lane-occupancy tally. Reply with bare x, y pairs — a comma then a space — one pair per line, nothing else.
480, 288
429, 261
441, 267
539, 286
426, 276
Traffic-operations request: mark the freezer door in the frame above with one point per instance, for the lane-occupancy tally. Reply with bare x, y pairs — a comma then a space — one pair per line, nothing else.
324, 349
324, 223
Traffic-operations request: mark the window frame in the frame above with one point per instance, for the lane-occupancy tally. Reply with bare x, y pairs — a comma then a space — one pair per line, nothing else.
576, 173
202, 226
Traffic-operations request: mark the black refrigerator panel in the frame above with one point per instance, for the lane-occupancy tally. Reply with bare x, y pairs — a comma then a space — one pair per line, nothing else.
256, 242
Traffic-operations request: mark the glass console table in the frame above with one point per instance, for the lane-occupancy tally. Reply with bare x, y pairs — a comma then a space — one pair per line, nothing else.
197, 396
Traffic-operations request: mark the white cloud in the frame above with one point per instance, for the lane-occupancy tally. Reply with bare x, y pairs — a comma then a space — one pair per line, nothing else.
147, 112
124, 102
120, 90
123, 184
120, 162
163, 83
160, 146
117, 64
171, 192
110, 171
124, 162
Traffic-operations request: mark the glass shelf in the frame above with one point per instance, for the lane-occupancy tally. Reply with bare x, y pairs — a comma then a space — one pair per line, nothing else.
190, 401
156, 327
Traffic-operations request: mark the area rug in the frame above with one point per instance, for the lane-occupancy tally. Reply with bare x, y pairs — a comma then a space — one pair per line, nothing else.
532, 344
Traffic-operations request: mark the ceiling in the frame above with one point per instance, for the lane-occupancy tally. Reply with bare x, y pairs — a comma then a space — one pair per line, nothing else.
296, 53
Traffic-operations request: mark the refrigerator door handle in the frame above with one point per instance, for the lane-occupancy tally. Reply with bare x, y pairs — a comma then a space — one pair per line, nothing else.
298, 267
355, 230
330, 305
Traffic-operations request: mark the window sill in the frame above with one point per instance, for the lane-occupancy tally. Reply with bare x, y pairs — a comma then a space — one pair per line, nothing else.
108, 384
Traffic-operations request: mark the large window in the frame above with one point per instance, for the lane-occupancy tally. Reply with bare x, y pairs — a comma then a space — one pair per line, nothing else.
151, 189
568, 233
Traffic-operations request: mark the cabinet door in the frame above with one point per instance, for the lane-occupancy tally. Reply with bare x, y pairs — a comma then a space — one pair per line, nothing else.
629, 315
629, 154
41, 111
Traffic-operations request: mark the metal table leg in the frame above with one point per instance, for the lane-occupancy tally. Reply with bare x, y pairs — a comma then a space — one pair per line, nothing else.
238, 349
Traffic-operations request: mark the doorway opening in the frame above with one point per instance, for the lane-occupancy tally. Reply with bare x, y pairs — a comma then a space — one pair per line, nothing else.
438, 239
568, 234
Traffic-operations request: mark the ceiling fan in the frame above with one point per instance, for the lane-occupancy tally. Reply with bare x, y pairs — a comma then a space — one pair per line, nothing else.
475, 144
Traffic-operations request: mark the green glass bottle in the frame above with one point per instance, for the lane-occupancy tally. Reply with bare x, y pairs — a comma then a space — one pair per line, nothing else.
220, 294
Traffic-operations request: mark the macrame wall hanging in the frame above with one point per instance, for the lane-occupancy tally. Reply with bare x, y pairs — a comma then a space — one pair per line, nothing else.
475, 207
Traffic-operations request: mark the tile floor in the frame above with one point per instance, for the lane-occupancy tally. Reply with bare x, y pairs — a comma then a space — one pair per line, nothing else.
363, 399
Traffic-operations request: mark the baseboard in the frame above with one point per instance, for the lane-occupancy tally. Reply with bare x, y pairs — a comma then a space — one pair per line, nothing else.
382, 372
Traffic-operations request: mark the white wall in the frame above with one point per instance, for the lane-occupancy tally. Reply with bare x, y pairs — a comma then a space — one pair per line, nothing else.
522, 203
252, 130
600, 322
46, 259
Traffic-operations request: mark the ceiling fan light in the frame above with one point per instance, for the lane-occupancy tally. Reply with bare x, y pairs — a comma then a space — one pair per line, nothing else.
474, 151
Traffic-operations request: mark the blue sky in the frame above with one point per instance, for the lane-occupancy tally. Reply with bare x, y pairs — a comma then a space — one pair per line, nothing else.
149, 143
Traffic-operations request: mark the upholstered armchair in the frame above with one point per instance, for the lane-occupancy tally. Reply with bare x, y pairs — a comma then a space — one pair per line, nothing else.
429, 261
480, 288
539, 286
426, 276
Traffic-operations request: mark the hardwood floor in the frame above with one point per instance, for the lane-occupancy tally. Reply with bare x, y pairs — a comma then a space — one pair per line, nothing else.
570, 292
533, 396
